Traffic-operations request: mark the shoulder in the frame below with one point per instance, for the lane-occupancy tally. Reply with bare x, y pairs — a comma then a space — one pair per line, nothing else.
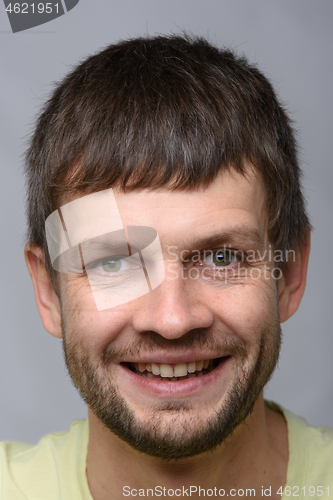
34, 470
310, 453
312, 446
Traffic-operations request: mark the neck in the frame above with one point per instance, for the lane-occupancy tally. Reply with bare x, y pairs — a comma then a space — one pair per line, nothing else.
254, 456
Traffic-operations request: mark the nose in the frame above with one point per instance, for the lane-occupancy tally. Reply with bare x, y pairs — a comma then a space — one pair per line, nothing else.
173, 309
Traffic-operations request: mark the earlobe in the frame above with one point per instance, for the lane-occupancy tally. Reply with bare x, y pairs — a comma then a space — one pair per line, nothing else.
47, 301
291, 285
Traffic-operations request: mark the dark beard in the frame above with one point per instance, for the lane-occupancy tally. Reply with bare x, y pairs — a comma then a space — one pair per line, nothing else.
155, 437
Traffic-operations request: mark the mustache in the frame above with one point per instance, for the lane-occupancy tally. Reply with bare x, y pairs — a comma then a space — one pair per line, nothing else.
150, 341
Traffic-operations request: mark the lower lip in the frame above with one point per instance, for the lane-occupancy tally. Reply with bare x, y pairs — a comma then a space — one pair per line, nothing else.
174, 388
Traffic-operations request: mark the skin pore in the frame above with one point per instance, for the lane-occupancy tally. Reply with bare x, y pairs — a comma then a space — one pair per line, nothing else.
211, 430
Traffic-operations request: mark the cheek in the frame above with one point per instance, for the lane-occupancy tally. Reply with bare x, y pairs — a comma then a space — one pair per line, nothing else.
84, 324
96, 331
246, 309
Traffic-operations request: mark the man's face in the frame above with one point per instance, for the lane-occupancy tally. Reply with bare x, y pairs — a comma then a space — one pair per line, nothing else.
174, 371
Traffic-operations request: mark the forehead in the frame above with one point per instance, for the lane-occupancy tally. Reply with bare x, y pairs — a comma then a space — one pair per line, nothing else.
231, 201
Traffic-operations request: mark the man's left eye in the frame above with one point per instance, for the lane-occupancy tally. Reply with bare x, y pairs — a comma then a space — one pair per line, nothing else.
220, 258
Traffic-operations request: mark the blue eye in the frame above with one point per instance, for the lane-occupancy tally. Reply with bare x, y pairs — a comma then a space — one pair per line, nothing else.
222, 258
111, 264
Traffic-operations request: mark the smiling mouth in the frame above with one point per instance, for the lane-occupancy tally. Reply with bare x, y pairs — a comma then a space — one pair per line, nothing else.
173, 373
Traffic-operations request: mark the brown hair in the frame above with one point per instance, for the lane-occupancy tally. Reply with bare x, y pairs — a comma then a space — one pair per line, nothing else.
163, 112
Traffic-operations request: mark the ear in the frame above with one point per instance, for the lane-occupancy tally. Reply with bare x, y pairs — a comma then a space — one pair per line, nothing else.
47, 300
291, 285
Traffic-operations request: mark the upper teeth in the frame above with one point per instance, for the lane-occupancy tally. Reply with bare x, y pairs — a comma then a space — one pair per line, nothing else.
166, 370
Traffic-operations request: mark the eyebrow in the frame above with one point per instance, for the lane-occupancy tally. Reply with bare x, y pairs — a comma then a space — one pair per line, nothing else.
105, 244
238, 236
111, 243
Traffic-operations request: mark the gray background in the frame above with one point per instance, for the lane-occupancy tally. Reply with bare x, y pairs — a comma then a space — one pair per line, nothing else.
291, 40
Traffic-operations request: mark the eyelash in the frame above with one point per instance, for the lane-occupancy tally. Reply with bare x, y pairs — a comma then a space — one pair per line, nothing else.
235, 262
234, 257
228, 255
232, 254
101, 264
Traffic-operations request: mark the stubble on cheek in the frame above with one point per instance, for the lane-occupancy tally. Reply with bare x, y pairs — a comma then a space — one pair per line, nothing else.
172, 430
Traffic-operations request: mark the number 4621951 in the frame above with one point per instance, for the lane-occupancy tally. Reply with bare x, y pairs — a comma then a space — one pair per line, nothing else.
32, 8
297, 491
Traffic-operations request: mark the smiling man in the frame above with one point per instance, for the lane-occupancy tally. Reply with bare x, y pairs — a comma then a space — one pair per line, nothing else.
168, 240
